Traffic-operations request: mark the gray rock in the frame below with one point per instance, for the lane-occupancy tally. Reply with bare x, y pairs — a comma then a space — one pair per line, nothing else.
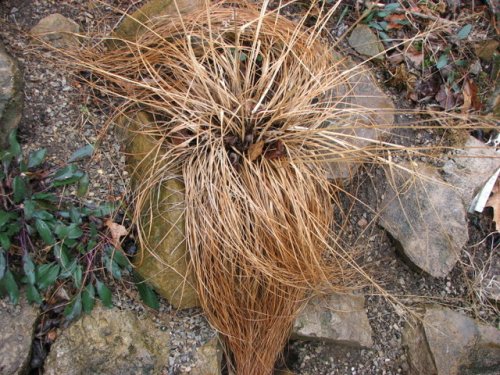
365, 42
57, 30
11, 96
208, 359
337, 318
364, 111
470, 167
426, 218
16, 334
109, 342
446, 342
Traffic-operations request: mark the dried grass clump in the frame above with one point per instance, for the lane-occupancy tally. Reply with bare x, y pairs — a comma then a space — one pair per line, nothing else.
247, 107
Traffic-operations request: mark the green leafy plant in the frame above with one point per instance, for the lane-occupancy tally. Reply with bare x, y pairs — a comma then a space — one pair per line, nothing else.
48, 239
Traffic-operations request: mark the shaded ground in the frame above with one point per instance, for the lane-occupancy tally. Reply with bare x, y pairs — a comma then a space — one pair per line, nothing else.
62, 116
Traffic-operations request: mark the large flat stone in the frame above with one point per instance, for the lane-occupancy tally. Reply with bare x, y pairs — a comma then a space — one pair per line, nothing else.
208, 359
109, 342
337, 319
57, 30
426, 217
446, 342
470, 167
11, 96
365, 42
16, 334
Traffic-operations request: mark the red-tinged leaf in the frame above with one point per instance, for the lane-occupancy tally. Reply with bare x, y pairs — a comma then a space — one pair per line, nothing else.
275, 151
395, 21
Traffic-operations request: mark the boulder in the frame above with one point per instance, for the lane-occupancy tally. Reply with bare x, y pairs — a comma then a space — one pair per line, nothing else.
337, 319
163, 260
11, 96
426, 218
57, 30
446, 342
18, 327
132, 24
109, 341
470, 167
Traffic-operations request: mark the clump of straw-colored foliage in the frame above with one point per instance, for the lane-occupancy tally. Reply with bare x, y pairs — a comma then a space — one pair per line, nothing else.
248, 106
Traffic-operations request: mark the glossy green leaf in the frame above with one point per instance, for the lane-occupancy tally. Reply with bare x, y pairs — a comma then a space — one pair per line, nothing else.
75, 215
3, 264
77, 275
23, 167
36, 158
19, 188
15, 147
120, 259
51, 197
43, 215
88, 298
105, 209
147, 293
61, 231
4, 241
9, 286
29, 209
46, 275
392, 7
33, 295
112, 267
83, 185
464, 31
104, 294
69, 181
5, 217
74, 309
29, 269
69, 269
74, 231
81, 153
65, 172
44, 232
442, 61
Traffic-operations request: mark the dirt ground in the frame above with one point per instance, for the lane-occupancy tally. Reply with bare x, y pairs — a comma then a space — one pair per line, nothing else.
62, 116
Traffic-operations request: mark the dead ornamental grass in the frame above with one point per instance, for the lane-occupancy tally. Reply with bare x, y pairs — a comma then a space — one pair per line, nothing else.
247, 106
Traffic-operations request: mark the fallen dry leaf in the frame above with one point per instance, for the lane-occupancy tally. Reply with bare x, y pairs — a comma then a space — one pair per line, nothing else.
494, 202
415, 57
117, 231
471, 99
255, 150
